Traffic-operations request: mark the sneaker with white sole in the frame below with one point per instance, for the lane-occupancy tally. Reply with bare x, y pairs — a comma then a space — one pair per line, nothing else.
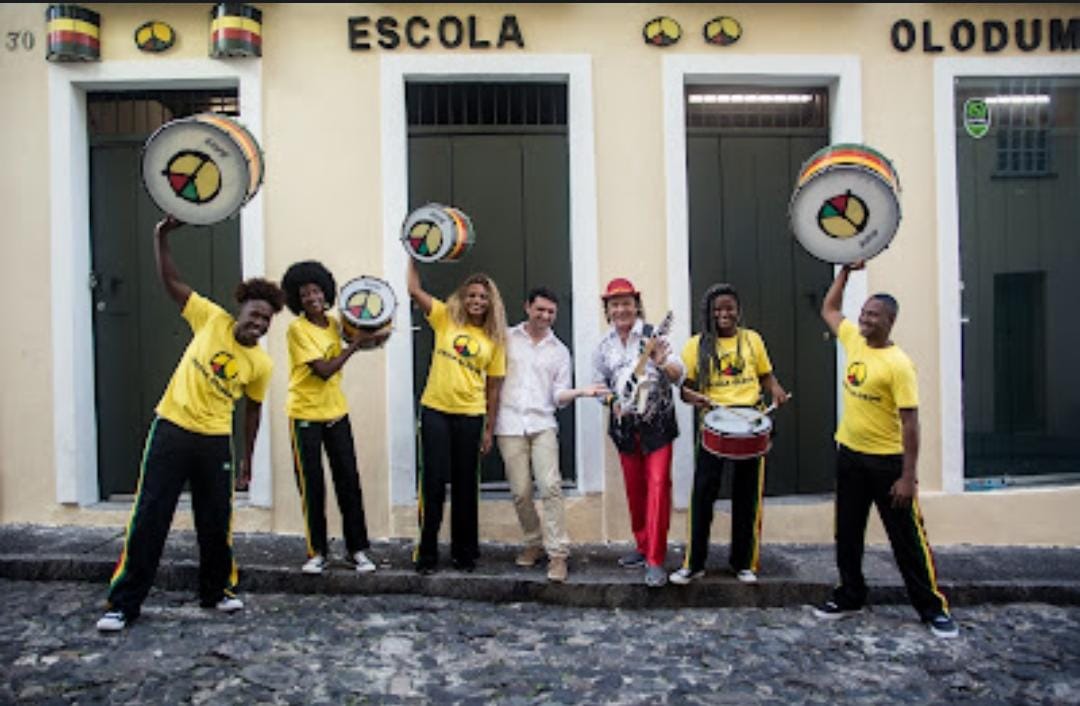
363, 564
941, 625
113, 621
315, 565
746, 576
684, 576
230, 604
831, 610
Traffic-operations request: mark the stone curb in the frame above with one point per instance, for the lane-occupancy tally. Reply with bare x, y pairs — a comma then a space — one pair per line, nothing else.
582, 591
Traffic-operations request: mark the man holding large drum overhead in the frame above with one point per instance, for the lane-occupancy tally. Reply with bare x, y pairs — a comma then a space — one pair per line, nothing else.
190, 439
877, 452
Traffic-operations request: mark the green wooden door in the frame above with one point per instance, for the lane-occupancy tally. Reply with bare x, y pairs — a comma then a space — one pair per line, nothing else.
139, 335
515, 189
738, 189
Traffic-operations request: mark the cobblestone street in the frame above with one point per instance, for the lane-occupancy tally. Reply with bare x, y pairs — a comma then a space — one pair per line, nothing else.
410, 649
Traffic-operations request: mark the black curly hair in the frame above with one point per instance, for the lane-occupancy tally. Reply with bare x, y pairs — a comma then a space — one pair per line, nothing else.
259, 288
307, 272
707, 358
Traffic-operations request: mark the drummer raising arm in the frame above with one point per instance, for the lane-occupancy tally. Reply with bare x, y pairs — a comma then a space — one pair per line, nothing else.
726, 365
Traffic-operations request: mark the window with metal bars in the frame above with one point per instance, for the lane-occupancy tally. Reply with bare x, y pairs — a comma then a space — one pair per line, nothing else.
756, 107
480, 104
113, 113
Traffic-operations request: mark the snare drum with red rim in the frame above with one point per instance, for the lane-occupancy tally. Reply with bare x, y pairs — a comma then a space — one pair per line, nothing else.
736, 433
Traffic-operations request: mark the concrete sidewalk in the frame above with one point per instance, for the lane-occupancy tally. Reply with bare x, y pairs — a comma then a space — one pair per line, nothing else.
790, 574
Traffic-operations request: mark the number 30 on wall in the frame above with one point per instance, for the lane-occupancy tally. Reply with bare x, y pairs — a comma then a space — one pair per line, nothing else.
20, 40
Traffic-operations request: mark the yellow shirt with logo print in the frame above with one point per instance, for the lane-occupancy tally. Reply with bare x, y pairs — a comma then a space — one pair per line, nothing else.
310, 397
462, 359
877, 382
214, 372
736, 383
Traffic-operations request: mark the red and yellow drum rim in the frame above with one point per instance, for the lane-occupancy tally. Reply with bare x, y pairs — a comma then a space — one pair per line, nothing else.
850, 157
247, 144
460, 234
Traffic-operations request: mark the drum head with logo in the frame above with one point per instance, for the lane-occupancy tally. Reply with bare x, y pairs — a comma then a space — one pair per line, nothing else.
737, 422
367, 302
429, 233
844, 213
195, 171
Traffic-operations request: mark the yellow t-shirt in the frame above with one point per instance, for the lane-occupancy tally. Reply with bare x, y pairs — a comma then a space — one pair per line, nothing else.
743, 360
461, 361
878, 382
310, 397
214, 372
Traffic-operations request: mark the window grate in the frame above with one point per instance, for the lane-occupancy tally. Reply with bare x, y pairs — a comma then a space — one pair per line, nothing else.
756, 107
1022, 112
485, 104
111, 113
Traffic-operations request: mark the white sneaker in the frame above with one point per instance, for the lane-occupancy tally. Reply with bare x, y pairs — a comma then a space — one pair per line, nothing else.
684, 576
314, 565
363, 564
113, 621
746, 576
230, 604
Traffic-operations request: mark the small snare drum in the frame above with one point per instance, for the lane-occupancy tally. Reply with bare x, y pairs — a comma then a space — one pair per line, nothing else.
366, 303
736, 433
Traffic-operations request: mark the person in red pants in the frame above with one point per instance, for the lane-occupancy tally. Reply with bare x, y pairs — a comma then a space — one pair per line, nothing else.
636, 362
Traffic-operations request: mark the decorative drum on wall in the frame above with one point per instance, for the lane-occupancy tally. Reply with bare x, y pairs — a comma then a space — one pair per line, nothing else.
235, 31
202, 169
846, 204
72, 33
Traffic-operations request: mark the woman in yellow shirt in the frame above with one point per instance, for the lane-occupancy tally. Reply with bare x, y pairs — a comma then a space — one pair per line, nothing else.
457, 412
727, 365
319, 414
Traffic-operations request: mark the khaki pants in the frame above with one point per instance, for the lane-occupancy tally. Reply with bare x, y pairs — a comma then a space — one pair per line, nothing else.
537, 454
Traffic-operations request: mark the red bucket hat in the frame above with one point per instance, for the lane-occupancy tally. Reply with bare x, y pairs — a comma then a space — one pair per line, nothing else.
619, 287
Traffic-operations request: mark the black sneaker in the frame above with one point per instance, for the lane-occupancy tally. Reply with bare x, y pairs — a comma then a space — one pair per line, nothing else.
425, 568
633, 560
941, 625
466, 565
831, 610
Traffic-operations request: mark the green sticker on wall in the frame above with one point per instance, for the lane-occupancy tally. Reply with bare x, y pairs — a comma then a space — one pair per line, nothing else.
976, 117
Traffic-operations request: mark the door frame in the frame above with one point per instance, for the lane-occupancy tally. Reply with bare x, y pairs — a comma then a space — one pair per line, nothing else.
74, 415
576, 71
842, 75
950, 352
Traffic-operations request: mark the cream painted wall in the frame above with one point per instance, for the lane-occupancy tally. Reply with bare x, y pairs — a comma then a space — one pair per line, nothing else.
322, 200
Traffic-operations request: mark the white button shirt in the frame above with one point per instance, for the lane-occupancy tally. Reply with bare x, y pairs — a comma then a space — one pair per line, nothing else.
535, 374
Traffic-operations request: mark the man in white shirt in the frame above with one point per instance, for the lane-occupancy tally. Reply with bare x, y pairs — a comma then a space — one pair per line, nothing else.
537, 383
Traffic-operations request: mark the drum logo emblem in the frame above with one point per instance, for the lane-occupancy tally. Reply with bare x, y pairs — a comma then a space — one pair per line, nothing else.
365, 306
843, 216
425, 238
224, 365
193, 176
731, 364
466, 346
722, 31
661, 31
856, 374
976, 117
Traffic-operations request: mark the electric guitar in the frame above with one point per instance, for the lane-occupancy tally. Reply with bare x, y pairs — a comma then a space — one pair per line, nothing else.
632, 387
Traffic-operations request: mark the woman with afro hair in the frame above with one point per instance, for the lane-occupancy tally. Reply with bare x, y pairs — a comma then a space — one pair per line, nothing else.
190, 439
319, 415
